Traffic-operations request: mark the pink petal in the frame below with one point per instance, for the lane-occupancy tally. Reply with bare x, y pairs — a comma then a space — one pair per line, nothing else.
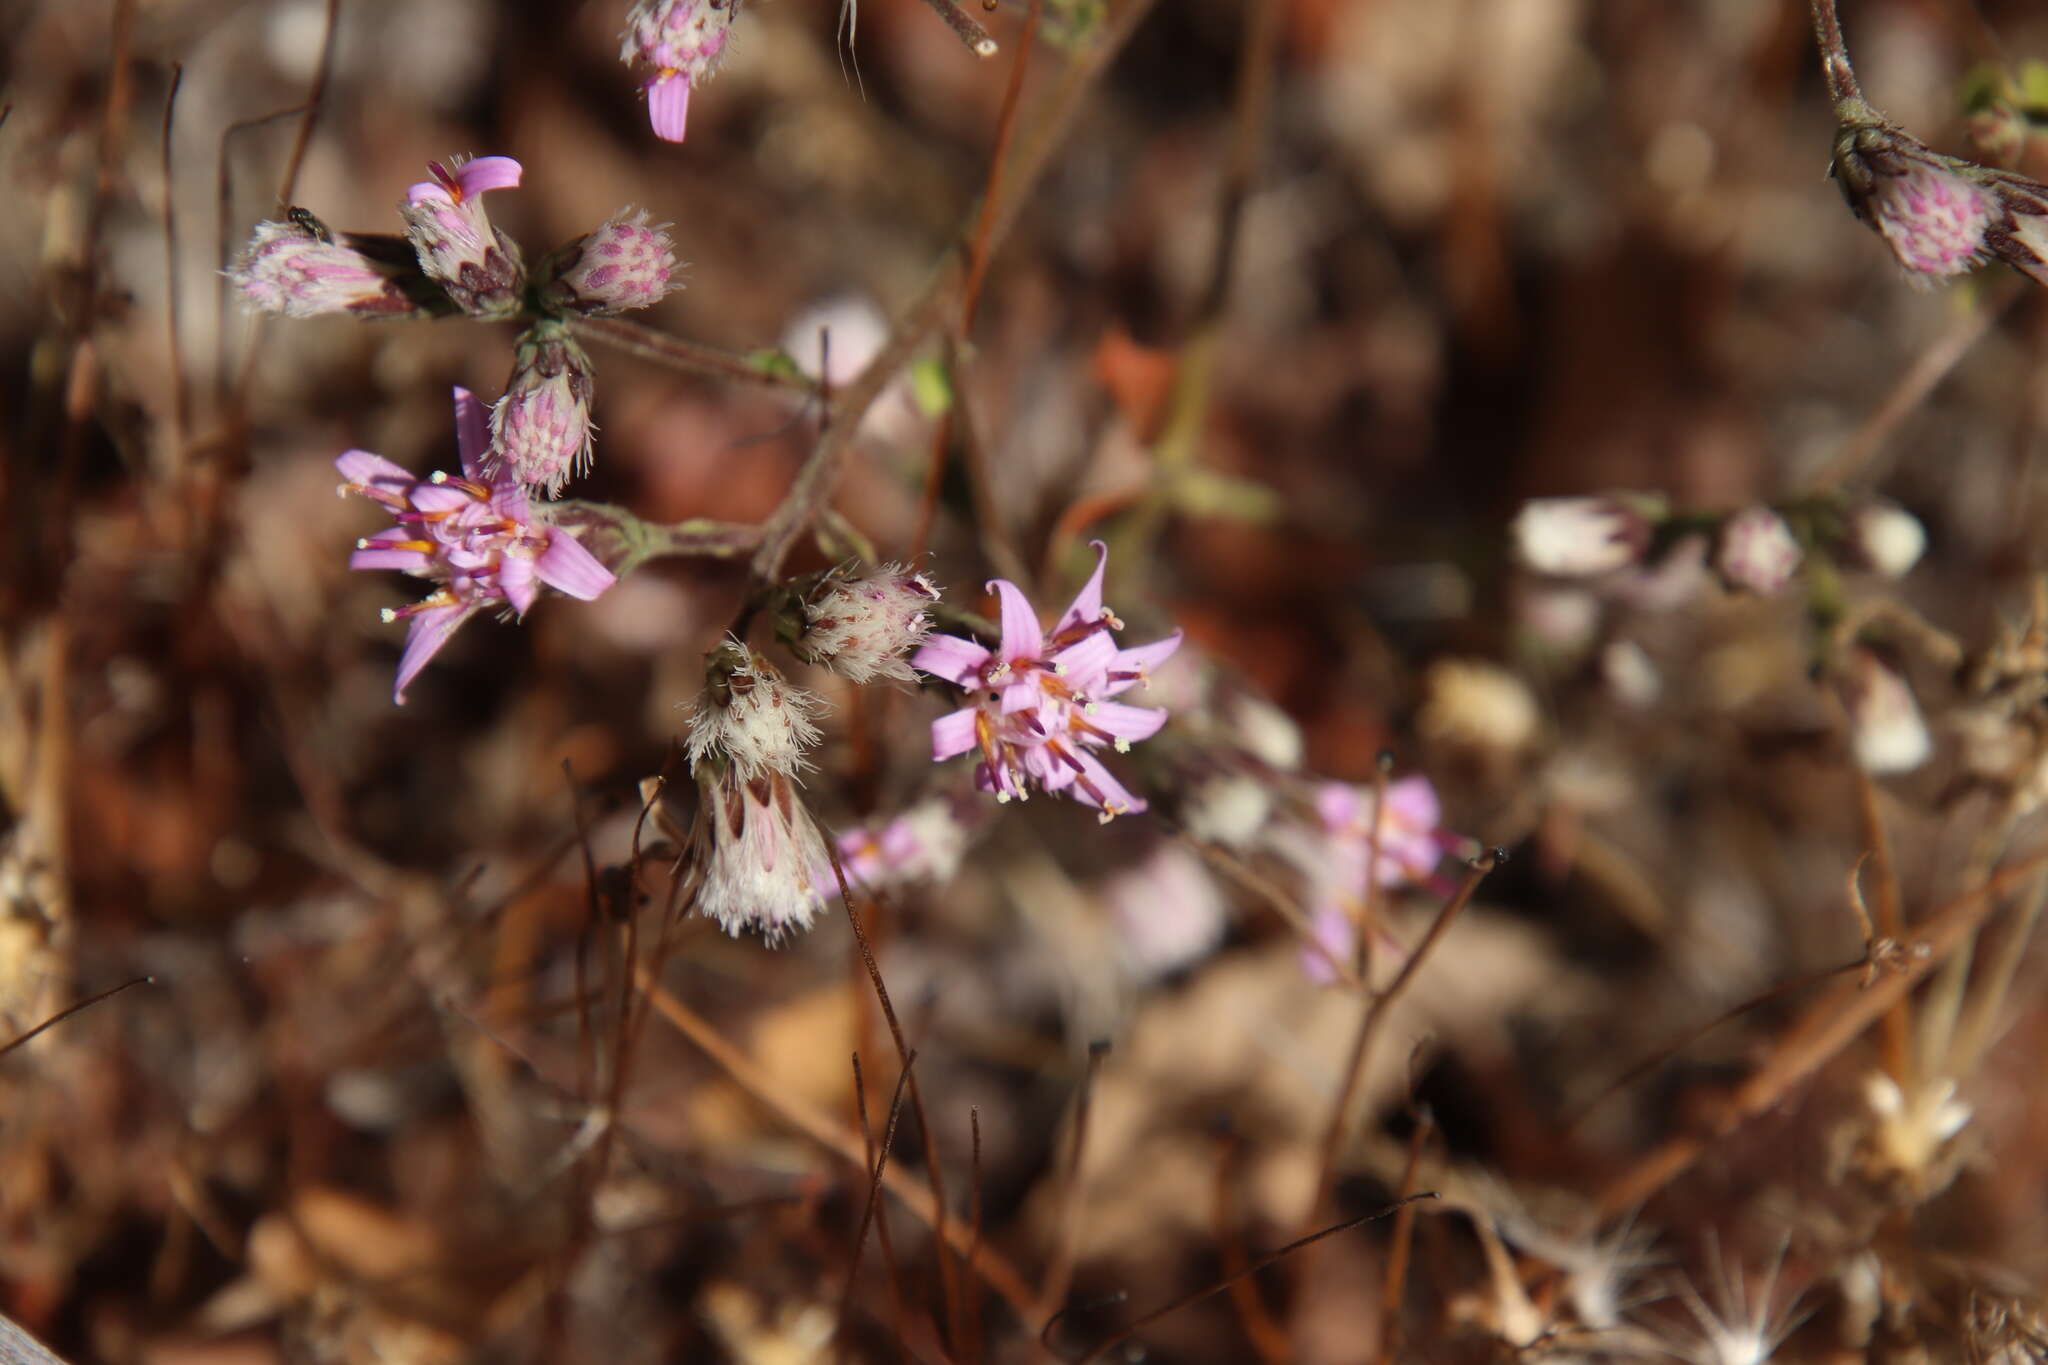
1023, 695
956, 660
430, 630
488, 173
1129, 723
668, 105
1335, 937
954, 734
360, 466
440, 499
1413, 802
1021, 636
567, 566
1087, 608
375, 553
427, 189
1084, 662
470, 430
516, 580
1141, 661
1114, 793
1340, 806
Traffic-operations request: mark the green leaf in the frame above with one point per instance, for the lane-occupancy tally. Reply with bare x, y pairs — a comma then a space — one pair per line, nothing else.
776, 363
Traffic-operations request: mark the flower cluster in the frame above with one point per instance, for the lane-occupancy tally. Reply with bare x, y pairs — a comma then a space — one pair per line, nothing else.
1042, 701
475, 536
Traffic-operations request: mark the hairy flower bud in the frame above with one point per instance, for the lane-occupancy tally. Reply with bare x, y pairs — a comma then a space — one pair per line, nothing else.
625, 264
1941, 215
749, 717
479, 266
861, 626
755, 854
301, 270
1580, 537
683, 41
540, 429
1757, 552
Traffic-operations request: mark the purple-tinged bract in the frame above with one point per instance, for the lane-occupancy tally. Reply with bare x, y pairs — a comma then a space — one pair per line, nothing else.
474, 535
1040, 703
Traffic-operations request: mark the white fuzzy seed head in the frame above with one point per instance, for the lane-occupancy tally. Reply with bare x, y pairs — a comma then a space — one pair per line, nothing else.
865, 626
750, 718
759, 860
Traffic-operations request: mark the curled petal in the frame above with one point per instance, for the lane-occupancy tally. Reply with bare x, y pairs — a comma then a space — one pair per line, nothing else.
429, 630
488, 173
954, 734
1021, 636
668, 105
949, 657
567, 566
1087, 607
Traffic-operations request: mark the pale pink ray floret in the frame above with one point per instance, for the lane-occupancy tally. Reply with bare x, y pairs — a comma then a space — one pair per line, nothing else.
473, 534
1041, 702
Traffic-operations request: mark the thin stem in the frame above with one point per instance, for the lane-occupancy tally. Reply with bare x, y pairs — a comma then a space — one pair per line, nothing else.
1834, 53
181, 395
1059, 1275
874, 1199
1374, 1018
1394, 1283
965, 28
691, 357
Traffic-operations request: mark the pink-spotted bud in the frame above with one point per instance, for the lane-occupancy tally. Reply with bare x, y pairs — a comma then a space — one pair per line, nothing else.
626, 264
300, 270
478, 266
1757, 552
540, 429
749, 717
682, 40
863, 626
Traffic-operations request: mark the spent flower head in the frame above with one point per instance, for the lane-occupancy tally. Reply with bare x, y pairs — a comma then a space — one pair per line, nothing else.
299, 269
749, 717
683, 41
863, 625
628, 263
1040, 703
540, 429
478, 266
757, 860
474, 535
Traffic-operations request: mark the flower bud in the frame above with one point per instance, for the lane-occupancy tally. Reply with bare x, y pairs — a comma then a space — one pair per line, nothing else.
749, 717
540, 429
683, 41
479, 266
755, 854
1580, 537
861, 626
1885, 538
301, 270
1757, 552
625, 264
1885, 724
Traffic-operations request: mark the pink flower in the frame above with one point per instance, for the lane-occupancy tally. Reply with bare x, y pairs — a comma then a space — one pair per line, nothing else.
922, 844
1043, 699
1410, 845
474, 535
300, 270
478, 266
683, 41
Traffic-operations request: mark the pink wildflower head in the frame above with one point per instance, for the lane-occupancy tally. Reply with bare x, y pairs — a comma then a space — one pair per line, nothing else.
923, 844
301, 270
479, 266
862, 625
626, 264
683, 41
749, 717
540, 429
472, 534
756, 854
1040, 703
1757, 552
